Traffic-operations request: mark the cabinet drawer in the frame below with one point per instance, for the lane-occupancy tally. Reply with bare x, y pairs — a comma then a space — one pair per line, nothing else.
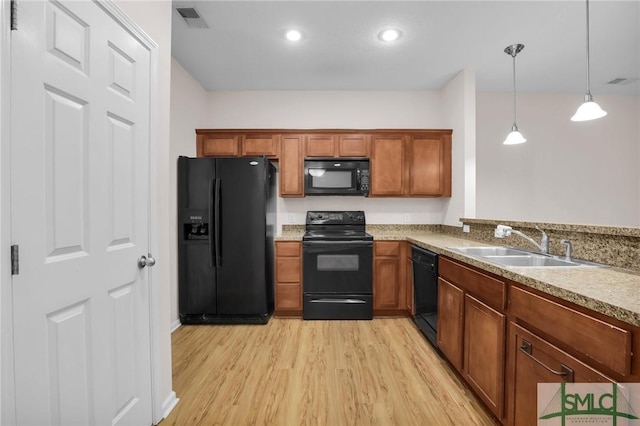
490, 290
288, 270
288, 249
388, 248
289, 296
598, 340
533, 360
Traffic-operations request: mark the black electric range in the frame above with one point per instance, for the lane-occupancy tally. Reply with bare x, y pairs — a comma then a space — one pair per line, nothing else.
337, 258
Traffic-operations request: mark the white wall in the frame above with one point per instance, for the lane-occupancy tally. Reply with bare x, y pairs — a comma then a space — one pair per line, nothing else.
459, 108
325, 109
189, 111
568, 172
154, 17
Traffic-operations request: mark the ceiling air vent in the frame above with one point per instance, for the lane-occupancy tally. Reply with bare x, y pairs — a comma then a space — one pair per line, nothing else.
623, 81
191, 17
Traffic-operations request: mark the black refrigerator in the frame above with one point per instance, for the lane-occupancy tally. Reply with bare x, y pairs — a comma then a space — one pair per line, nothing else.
226, 225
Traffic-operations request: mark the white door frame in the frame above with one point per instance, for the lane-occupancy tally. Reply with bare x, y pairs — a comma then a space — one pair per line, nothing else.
7, 379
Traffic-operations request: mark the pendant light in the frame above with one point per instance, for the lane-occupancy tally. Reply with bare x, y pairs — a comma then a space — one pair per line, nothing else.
515, 137
589, 110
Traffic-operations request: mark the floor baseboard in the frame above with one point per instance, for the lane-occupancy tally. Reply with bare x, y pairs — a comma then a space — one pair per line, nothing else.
169, 404
174, 326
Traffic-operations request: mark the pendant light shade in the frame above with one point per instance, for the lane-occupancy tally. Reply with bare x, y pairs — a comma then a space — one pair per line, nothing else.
514, 137
589, 110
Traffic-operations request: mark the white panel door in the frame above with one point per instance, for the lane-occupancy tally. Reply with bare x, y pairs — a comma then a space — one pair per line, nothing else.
80, 191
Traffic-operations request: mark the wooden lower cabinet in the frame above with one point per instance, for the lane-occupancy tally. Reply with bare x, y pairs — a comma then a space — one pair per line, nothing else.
389, 287
533, 360
471, 333
288, 286
450, 321
484, 337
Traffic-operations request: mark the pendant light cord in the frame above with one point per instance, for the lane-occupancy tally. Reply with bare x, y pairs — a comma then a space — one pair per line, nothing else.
514, 90
588, 77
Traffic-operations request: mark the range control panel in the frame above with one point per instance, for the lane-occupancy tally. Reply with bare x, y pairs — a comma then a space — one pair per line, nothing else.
335, 218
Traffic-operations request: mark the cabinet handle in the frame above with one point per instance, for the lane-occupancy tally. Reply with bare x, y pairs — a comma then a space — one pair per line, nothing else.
566, 372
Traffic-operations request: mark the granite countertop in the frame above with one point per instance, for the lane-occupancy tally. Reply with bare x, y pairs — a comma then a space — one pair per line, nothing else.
608, 290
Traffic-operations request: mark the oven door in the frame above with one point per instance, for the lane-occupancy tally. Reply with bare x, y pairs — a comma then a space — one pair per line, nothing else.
334, 267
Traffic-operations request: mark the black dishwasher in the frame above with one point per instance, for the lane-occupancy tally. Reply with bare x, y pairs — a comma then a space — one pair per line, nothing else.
425, 292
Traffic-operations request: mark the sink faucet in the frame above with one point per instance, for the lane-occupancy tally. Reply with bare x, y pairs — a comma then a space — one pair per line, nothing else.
504, 231
569, 248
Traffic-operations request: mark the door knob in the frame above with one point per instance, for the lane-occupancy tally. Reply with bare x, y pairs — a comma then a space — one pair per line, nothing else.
146, 261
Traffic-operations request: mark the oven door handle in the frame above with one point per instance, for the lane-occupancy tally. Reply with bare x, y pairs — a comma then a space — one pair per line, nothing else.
341, 301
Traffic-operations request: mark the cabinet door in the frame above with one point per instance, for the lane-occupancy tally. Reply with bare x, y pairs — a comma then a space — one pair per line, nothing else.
426, 172
219, 145
353, 145
533, 360
320, 145
291, 170
386, 287
386, 275
387, 165
256, 145
450, 321
484, 360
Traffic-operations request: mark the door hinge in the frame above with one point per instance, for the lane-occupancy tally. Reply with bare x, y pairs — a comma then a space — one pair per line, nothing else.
14, 15
15, 260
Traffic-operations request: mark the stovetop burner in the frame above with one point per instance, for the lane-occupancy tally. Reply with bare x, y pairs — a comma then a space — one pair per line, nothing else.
336, 226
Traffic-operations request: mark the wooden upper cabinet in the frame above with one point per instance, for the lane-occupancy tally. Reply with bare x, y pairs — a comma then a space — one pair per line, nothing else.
403, 163
353, 145
426, 161
256, 145
291, 169
387, 165
218, 145
346, 145
320, 145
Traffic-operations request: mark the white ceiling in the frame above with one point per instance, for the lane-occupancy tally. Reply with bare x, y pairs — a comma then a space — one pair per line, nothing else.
244, 47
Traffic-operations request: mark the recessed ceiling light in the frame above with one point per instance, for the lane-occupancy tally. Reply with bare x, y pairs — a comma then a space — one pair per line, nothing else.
293, 35
389, 35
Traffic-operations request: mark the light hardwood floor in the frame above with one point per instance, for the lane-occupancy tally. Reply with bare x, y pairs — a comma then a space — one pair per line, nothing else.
294, 372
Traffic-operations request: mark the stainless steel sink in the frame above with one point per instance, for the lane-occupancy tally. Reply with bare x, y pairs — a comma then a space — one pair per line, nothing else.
489, 251
530, 260
507, 256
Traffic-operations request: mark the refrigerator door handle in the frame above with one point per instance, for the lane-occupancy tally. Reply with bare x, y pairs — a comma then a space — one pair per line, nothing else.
211, 219
217, 224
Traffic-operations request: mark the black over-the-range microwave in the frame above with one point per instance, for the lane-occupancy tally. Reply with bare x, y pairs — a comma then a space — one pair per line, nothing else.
336, 176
